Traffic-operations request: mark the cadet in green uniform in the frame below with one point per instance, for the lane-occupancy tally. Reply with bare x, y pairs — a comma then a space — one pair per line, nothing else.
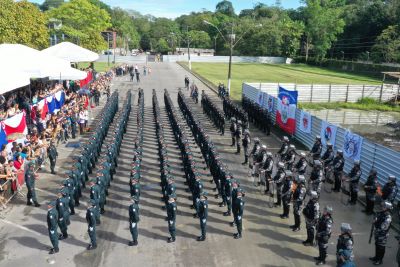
135, 187
95, 195
133, 220
53, 154
203, 214
52, 220
171, 216
91, 221
69, 183
30, 177
237, 208
60, 206
100, 181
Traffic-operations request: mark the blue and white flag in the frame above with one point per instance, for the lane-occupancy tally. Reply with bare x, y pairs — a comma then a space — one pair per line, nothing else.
328, 133
352, 145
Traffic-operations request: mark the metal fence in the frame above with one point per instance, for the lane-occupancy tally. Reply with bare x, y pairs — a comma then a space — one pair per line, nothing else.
385, 160
319, 93
225, 59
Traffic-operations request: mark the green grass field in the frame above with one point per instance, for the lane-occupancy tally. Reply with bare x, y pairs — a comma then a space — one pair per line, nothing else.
99, 66
296, 73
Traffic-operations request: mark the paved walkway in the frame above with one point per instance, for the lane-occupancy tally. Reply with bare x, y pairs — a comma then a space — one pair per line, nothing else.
267, 240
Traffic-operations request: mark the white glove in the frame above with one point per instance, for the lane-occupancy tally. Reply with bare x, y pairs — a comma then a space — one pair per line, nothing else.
90, 229
133, 225
239, 217
171, 222
204, 220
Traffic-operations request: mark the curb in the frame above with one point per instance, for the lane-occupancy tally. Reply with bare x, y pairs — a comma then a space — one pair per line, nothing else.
202, 79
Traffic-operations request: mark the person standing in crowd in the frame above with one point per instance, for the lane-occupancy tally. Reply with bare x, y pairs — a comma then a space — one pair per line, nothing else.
52, 154
298, 201
382, 222
246, 142
52, 225
233, 129
81, 121
344, 247
202, 211
171, 217
284, 148
338, 165
311, 214
187, 82
138, 77
237, 209
370, 188
62, 221
389, 191
324, 230
354, 178
134, 220
287, 194
91, 221
132, 74
316, 150
238, 136
30, 177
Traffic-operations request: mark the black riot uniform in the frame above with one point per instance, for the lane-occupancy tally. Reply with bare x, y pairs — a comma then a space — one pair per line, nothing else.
370, 188
382, 222
311, 214
324, 230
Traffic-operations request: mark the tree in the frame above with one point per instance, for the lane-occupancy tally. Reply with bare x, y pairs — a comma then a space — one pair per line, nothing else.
125, 27
225, 7
199, 39
324, 22
23, 23
49, 4
145, 42
83, 22
162, 46
387, 46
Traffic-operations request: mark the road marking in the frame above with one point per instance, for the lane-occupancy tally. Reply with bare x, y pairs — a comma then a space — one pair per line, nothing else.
20, 227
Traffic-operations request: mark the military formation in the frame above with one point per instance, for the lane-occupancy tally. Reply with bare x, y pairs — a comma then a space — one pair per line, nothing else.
68, 196
290, 178
213, 112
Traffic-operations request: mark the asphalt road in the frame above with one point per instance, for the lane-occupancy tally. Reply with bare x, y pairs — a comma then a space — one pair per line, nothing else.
267, 239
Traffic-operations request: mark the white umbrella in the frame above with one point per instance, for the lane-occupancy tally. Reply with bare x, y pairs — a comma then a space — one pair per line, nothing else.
71, 52
12, 79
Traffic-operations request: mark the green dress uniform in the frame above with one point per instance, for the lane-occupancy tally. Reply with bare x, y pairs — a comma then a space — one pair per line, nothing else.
171, 216
135, 189
91, 221
133, 221
60, 207
52, 225
30, 185
237, 208
53, 154
95, 196
69, 183
100, 181
203, 214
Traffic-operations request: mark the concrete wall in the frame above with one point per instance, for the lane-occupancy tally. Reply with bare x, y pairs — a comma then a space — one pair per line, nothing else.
225, 59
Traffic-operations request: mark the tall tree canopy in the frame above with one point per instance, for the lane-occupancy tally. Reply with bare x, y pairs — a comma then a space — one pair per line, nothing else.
83, 22
225, 7
23, 23
48, 4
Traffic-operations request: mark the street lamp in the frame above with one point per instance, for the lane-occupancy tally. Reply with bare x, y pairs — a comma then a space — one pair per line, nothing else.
232, 45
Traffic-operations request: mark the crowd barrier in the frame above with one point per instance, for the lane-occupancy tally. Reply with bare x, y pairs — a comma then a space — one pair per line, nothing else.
383, 159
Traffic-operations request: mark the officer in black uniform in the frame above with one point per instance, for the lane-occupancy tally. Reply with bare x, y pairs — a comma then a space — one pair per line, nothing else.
69, 184
298, 201
301, 165
30, 177
338, 165
52, 225
238, 208
389, 190
279, 178
246, 141
370, 188
287, 194
316, 150
238, 136
53, 154
284, 148
227, 194
171, 216
202, 211
91, 221
382, 222
233, 129
311, 214
134, 220
324, 230
354, 179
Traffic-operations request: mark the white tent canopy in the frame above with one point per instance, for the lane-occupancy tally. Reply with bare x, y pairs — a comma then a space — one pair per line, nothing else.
69, 74
25, 62
12, 79
71, 52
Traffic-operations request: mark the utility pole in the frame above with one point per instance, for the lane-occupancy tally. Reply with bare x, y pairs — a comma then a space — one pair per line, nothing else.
188, 43
230, 60
108, 48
